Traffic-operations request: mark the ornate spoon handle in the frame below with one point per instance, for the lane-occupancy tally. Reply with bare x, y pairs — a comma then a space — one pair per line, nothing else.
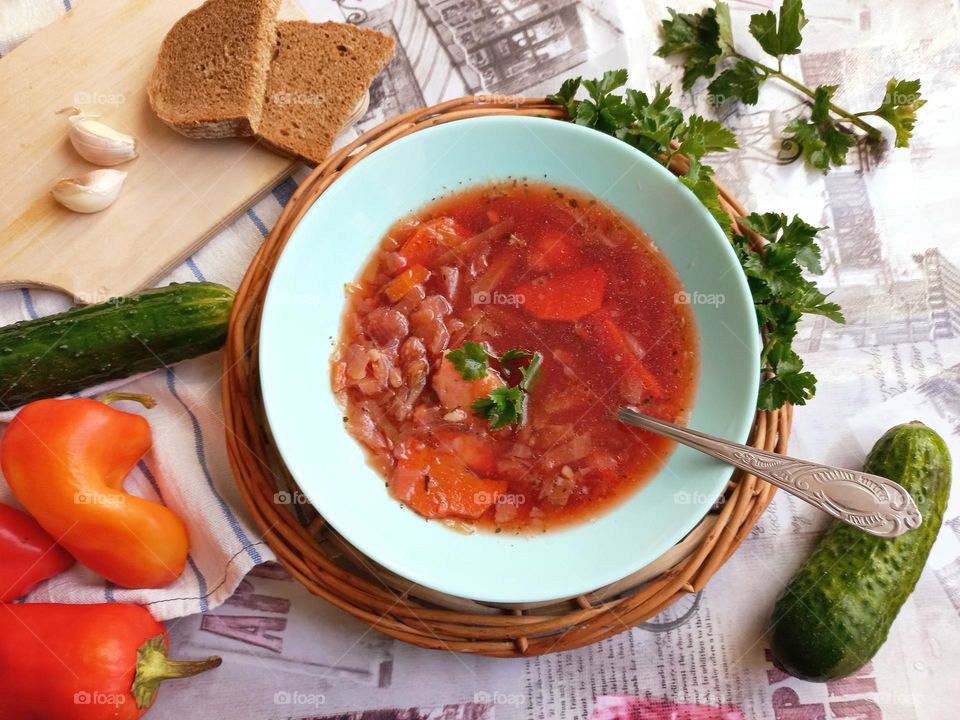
872, 503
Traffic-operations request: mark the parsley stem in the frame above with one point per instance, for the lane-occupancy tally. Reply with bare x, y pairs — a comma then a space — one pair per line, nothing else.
778, 73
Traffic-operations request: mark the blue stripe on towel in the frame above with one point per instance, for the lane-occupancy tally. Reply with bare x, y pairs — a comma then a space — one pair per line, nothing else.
201, 580
284, 191
258, 222
202, 458
108, 591
197, 273
28, 303
67, 5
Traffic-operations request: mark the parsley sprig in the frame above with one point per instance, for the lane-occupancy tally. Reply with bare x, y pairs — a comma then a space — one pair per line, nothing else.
502, 406
781, 292
781, 296
653, 126
824, 138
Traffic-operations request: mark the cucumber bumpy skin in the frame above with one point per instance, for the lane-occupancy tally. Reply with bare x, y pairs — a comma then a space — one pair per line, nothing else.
88, 345
835, 613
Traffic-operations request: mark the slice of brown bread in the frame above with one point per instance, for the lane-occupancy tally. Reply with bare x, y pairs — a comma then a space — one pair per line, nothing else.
212, 70
319, 74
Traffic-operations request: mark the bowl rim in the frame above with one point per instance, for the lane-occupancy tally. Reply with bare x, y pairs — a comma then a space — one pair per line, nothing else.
745, 415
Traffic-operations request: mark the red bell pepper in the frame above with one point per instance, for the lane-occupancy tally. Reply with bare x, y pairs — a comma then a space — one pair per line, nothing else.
570, 296
84, 662
66, 461
28, 555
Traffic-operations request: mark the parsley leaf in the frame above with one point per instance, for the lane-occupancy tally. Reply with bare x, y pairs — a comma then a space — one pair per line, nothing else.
516, 354
698, 37
471, 360
565, 95
783, 37
781, 296
788, 382
530, 372
502, 407
708, 193
709, 135
899, 108
741, 80
820, 140
763, 26
611, 80
656, 121
798, 235
821, 146
724, 28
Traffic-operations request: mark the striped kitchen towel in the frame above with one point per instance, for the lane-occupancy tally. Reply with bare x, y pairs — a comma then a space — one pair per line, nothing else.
187, 468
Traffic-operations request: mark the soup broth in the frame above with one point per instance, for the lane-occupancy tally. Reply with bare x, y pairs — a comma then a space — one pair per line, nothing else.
595, 318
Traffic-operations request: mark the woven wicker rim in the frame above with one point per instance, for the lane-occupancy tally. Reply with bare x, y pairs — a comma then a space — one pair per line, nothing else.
331, 569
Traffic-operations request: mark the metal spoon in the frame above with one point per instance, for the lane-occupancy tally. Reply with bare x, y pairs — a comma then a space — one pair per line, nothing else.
874, 504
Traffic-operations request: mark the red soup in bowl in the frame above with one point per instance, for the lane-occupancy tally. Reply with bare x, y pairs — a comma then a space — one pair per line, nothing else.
487, 344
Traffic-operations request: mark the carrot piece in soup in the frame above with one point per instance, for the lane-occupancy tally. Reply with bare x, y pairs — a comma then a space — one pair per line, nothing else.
441, 232
553, 251
475, 451
569, 296
401, 284
612, 345
437, 484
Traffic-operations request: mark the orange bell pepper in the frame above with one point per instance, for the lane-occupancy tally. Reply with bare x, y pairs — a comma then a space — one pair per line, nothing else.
66, 461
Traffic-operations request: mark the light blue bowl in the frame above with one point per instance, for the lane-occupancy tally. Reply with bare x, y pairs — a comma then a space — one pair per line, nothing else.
301, 320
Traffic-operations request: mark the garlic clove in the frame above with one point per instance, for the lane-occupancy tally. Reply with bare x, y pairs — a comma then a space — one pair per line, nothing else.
99, 143
90, 192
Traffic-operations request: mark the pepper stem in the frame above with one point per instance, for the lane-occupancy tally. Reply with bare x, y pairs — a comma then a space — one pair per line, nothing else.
108, 398
153, 667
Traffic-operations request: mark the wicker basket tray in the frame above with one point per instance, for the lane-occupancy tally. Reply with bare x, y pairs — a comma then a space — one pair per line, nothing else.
330, 568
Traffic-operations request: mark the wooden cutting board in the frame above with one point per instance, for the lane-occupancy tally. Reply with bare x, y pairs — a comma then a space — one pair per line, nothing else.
178, 193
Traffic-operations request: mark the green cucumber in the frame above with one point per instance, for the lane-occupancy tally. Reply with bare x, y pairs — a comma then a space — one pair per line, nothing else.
84, 346
835, 613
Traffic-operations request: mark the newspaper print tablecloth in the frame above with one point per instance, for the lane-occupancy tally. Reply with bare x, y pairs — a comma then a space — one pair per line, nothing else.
893, 260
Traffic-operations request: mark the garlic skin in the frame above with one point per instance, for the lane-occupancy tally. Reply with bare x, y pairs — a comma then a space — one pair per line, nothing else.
91, 192
100, 143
